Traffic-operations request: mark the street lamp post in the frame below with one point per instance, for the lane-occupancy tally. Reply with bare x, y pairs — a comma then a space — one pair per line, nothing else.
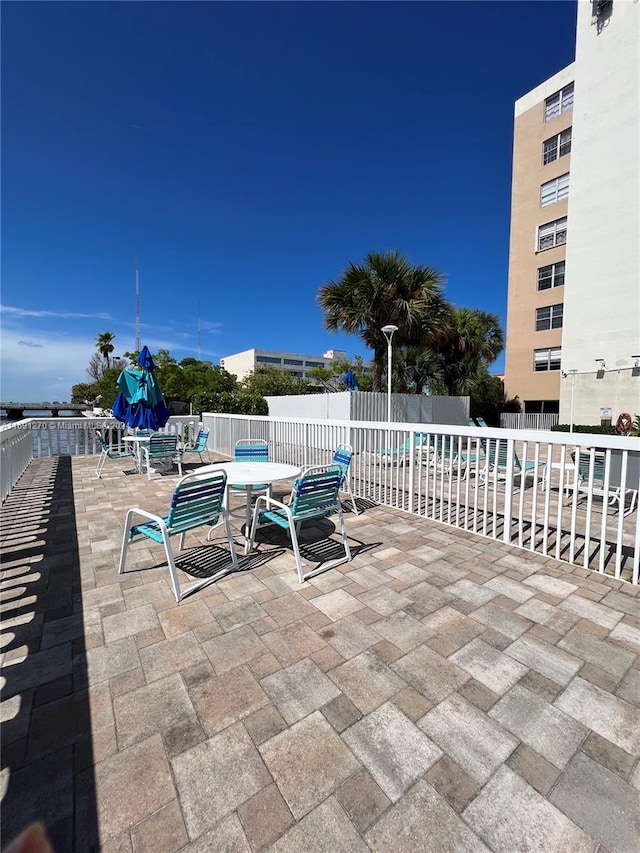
388, 331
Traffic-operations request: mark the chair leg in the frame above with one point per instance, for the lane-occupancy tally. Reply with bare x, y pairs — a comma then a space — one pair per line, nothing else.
232, 547
345, 538
293, 533
350, 493
100, 465
125, 543
172, 568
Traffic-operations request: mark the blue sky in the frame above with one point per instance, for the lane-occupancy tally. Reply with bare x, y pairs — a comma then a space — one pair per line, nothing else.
248, 152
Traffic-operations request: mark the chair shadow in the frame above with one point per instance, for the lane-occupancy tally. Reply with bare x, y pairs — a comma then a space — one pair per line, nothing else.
207, 560
314, 541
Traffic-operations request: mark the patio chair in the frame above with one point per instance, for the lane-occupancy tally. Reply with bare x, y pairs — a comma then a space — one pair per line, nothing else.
402, 454
197, 501
251, 450
481, 422
450, 454
107, 453
199, 445
341, 460
496, 461
161, 450
589, 474
315, 495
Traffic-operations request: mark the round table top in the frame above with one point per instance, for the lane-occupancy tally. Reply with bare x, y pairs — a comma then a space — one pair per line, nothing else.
251, 473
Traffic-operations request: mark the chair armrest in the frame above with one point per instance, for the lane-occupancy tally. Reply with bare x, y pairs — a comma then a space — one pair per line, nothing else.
268, 502
150, 515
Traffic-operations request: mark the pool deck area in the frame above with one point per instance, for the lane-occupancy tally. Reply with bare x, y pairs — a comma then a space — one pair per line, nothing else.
440, 692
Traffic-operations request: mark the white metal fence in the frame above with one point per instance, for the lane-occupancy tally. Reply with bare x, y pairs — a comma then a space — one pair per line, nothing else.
539, 491
513, 420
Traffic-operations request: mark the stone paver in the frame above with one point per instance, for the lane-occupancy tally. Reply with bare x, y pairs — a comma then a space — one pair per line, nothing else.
392, 749
468, 736
308, 762
509, 815
440, 692
599, 802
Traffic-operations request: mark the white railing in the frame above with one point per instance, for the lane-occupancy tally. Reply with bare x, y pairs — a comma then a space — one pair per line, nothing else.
32, 438
520, 487
15, 455
77, 436
513, 420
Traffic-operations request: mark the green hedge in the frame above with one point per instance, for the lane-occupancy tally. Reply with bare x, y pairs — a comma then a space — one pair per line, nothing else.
588, 428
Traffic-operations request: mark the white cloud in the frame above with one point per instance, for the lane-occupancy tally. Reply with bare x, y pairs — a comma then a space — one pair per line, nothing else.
66, 315
35, 371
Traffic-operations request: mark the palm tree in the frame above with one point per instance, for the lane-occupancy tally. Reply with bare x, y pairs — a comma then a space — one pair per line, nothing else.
470, 341
385, 289
104, 345
415, 369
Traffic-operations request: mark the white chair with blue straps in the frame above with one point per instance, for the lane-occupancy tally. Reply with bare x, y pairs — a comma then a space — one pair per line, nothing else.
161, 450
198, 446
107, 453
251, 450
342, 457
197, 501
315, 495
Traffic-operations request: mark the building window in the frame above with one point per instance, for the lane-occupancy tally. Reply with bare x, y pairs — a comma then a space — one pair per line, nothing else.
541, 407
314, 364
546, 359
555, 190
549, 317
557, 146
552, 234
268, 359
551, 276
296, 361
558, 103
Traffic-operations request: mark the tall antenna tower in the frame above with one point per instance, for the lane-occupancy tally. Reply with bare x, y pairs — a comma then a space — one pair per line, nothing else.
199, 334
138, 346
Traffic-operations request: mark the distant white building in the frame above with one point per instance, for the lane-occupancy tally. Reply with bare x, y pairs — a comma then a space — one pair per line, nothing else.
242, 363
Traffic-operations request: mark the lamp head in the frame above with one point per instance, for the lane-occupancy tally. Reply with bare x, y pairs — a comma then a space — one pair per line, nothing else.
388, 331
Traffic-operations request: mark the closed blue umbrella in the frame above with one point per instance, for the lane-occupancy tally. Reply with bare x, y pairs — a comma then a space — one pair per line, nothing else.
140, 403
351, 381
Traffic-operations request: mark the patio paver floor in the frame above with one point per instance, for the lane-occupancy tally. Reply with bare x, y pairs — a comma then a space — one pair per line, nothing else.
439, 692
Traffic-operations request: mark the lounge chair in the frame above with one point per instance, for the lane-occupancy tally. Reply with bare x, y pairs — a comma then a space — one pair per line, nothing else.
496, 459
454, 454
315, 495
591, 476
197, 501
402, 454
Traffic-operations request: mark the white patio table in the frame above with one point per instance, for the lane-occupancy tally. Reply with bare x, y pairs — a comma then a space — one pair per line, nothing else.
250, 474
137, 441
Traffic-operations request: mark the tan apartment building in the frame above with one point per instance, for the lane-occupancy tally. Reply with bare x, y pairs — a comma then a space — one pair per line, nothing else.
573, 315
537, 251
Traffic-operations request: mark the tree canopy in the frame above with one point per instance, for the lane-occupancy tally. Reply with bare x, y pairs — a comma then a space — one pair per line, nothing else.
385, 289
